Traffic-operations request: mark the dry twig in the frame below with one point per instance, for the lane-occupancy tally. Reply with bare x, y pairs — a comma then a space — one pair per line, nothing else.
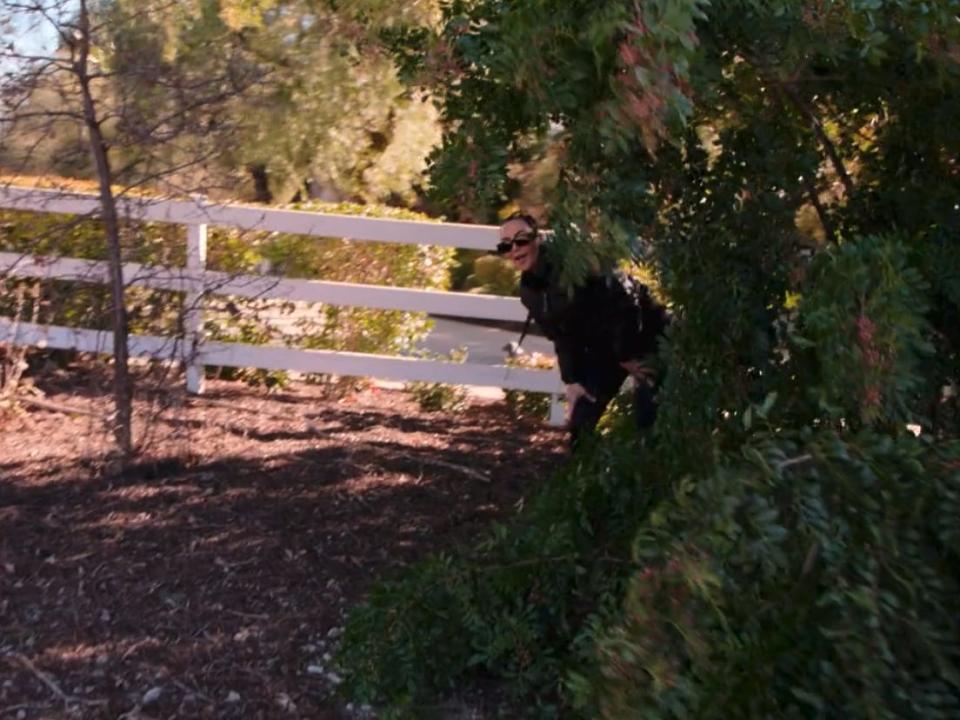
476, 474
58, 408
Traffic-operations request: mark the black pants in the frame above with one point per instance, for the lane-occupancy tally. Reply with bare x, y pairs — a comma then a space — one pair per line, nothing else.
604, 380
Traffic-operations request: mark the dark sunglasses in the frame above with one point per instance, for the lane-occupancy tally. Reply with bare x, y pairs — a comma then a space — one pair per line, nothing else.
505, 246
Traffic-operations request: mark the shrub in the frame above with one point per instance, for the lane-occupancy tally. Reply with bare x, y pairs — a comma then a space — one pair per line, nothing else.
800, 562
82, 304
812, 576
493, 275
523, 403
440, 397
256, 321
330, 327
781, 547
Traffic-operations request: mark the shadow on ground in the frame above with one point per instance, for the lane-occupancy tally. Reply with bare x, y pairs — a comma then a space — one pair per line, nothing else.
212, 578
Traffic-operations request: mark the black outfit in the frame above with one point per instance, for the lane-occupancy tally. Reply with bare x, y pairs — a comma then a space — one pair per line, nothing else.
602, 322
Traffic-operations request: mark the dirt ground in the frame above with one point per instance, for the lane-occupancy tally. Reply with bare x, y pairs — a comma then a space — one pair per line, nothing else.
212, 579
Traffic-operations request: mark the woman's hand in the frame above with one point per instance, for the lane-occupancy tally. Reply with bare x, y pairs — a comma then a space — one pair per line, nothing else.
575, 391
639, 370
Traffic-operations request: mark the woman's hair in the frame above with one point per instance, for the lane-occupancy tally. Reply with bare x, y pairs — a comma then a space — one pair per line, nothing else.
526, 217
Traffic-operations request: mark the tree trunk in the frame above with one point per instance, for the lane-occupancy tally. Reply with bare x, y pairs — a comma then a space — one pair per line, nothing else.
122, 385
261, 183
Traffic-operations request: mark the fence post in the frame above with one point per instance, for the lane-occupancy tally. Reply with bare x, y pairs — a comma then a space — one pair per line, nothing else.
193, 315
558, 417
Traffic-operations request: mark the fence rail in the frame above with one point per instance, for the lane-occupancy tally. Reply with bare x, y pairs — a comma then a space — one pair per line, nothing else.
198, 283
248, 217
207, 282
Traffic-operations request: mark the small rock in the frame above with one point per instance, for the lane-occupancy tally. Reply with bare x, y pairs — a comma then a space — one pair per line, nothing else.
334, 678
233, 697
21, 714
335, 632
314, 670
151, 695
105, 615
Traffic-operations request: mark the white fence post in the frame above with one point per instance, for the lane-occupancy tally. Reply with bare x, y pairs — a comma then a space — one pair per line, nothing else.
558, 416
193, 316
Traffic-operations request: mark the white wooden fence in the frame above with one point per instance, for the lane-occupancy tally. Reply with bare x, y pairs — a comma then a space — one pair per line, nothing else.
198, 282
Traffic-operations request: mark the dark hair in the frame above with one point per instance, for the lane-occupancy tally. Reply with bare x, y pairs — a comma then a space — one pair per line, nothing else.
526, 217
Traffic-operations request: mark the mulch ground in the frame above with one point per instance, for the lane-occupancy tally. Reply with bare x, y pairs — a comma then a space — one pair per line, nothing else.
212, 579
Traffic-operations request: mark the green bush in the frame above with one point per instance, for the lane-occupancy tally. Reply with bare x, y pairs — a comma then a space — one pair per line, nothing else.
440, 397
809, 568
462, 267
331, 327
813, 576
780, 546
524, 403
81, 304
745, 593
493, 275
236, 319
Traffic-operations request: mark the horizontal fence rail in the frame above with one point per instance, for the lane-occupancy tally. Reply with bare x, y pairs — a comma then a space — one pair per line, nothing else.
248, 217
281, 358
197, 283
439, 302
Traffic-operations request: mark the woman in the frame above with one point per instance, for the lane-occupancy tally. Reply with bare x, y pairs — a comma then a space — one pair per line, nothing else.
602, 331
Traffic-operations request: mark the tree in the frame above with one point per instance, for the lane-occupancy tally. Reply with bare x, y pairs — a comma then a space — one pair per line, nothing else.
76, 91
788, 170
314, 108
327, 117
71, 73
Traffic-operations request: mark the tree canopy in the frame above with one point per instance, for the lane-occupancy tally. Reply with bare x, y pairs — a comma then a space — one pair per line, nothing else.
727, 144
271, 99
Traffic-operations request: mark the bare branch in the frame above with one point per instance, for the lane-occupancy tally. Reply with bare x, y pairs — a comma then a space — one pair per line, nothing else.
789, 96
821, 210
50, 683
44, 114
817, 126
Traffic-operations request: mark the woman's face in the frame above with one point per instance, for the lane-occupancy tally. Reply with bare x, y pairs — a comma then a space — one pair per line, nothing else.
522, 254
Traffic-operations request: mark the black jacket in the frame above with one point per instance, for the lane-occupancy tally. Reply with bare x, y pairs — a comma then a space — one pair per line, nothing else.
605, 319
